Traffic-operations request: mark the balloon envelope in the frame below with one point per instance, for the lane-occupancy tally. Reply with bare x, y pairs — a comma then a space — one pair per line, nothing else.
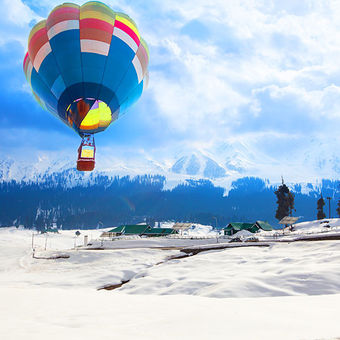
86, 65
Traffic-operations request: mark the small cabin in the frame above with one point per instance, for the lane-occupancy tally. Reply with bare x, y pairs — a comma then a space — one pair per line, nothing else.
263, 226
128, 229
234, 227
156, 232
138, 230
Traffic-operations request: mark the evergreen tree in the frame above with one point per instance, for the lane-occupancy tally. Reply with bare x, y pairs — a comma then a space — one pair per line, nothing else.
338, 208
320, 204
285, 202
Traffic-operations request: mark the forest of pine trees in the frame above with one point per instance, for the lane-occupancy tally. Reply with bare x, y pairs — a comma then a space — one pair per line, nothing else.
112, 201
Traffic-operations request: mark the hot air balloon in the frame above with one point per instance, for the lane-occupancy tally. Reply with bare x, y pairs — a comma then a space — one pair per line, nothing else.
86, 65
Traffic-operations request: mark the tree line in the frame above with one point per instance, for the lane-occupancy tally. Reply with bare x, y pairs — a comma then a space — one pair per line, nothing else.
107, 201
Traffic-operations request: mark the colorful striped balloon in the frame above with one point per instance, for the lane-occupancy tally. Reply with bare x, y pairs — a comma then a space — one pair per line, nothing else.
86, 65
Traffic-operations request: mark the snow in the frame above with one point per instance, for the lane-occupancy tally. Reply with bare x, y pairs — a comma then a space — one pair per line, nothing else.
200, 229
281, 270
322, 229
200, 165
285, 291
196, 229
318, 225
63, 314
243, 235
153, 242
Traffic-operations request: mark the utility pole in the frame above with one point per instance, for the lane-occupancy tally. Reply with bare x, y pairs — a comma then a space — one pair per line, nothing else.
216, 228
215, 222
329, 206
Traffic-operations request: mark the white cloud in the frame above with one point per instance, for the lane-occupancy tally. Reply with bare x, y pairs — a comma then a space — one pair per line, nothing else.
290, 49
15, 22
261, 66
18, 13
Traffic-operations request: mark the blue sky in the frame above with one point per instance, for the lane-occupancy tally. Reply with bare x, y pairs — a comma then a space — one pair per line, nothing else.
261, 73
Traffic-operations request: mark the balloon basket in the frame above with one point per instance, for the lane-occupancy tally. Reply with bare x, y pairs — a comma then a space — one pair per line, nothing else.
85, 165
86, 154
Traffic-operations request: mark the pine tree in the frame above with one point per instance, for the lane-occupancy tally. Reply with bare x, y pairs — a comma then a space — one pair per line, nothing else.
320, 204
285, 202
338, 208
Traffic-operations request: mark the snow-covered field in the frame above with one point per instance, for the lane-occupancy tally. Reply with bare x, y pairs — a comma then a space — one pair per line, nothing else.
285, 291
324, 225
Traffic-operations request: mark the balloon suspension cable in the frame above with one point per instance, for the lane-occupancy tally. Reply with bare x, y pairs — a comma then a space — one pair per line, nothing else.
87, 139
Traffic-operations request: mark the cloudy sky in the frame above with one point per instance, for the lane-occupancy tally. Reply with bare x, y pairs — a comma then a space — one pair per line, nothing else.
260, 73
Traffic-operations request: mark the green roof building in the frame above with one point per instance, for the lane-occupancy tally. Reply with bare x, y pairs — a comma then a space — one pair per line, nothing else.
234, 227
139, 229
160, 232
130, 229
263, 225
49, 230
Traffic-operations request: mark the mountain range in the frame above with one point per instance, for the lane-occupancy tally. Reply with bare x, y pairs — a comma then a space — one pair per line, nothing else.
233, 184
227, 163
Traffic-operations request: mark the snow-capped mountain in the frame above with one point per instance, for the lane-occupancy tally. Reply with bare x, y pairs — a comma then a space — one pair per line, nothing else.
31, 171
197, 164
